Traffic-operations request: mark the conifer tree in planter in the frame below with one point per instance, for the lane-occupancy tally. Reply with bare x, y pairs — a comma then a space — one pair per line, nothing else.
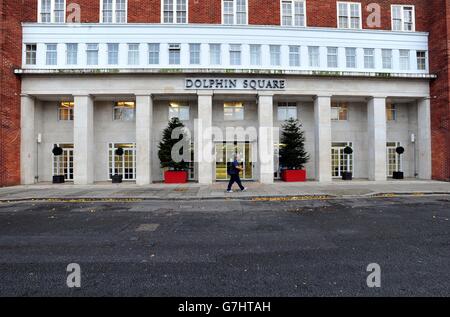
293, 156
175, 172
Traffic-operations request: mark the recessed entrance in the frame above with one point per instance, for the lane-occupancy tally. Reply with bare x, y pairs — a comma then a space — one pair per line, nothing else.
225, 152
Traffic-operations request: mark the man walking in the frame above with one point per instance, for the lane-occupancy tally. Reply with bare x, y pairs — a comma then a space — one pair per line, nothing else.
233, 170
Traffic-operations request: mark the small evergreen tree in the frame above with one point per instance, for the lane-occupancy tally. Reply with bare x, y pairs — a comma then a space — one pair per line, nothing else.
292, 154
166, 145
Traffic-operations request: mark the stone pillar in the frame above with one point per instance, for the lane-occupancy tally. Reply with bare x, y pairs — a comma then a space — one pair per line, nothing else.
204, 145
424, 138
28, 141
376, 128
144, 118
322, 118
83, 137
265, 138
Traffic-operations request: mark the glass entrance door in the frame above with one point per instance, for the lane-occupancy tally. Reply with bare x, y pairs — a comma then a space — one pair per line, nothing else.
225, 152
340, 162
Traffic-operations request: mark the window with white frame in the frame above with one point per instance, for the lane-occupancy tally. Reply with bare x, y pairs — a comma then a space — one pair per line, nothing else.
421, 60
92, 54
287, 110
30, 54
233, 111
339, 111
235, 54
293, 13
125, 164
215, 54
314, 57
194, 54
349, 15
340, 162
175, 11
124, 111
403, 17
255, 54
234, 11
71, 53
51, 11
179, 110
51, 57
113, 53
63, 164
393, 159
133, 54
275, 55
404, 60
386, 55
174, 54
294, 55
369, 58
65, 111
350, 57
114, 11
332, 57
391, 112
153, 53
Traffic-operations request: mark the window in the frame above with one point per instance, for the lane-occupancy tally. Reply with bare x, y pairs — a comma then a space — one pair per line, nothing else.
65, 111
293, 13
393, 160
404, 59
391, 112
174, 54
340, 162
51, 11
114, 11
113, 54
30, 54
92, 54
215, 54
313, 52
403, 18
287, 110
175, 11
349, 15
51, 54
179, 110
124, 165
71, 53
421, 60
194, 53
233, 111
234, 11
275, 55
294, 56
153, 53
63, 164
339, 111
387, 58
133, 54
123, 111
350, 57
369, 58
332, 57
235, 54
255, 54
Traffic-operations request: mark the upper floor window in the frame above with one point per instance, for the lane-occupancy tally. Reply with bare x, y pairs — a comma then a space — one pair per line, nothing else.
421, 60
255, 54
369, 58
349, 15
71, 53
391, 112
293, 13
332, 57
113, 54
174, 54
314, 56
51, 11
233, 111
65, 111
153, 53
51, 57
175, 11
294, 55
287, 110
235, 54
92, 54
275, 55
350, 57
194, 54
339, 111
403, 18
234, 11
179, 110
386, 55
124, 111
133, 54
30, 54
113, 11
404, 59
215, 54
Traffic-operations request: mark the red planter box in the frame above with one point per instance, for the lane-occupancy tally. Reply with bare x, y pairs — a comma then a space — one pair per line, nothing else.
293, 175
175, 177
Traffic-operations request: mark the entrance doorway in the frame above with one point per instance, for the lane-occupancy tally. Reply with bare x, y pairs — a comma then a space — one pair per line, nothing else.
225, 152
340, 162
63, 164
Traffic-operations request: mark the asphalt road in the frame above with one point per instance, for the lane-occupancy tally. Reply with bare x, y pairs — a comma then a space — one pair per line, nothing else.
227, 248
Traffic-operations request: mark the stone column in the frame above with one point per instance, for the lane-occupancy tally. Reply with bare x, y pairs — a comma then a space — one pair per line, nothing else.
144, 118
28, 141
376, 128
265, 138
203, 143
322, 118
424, 138
83, 137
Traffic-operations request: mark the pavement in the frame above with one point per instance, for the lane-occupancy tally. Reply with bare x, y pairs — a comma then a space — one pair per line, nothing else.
227, 248
194, 191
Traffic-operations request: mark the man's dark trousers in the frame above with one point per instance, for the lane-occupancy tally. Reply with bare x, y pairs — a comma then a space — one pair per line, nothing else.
235, 179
